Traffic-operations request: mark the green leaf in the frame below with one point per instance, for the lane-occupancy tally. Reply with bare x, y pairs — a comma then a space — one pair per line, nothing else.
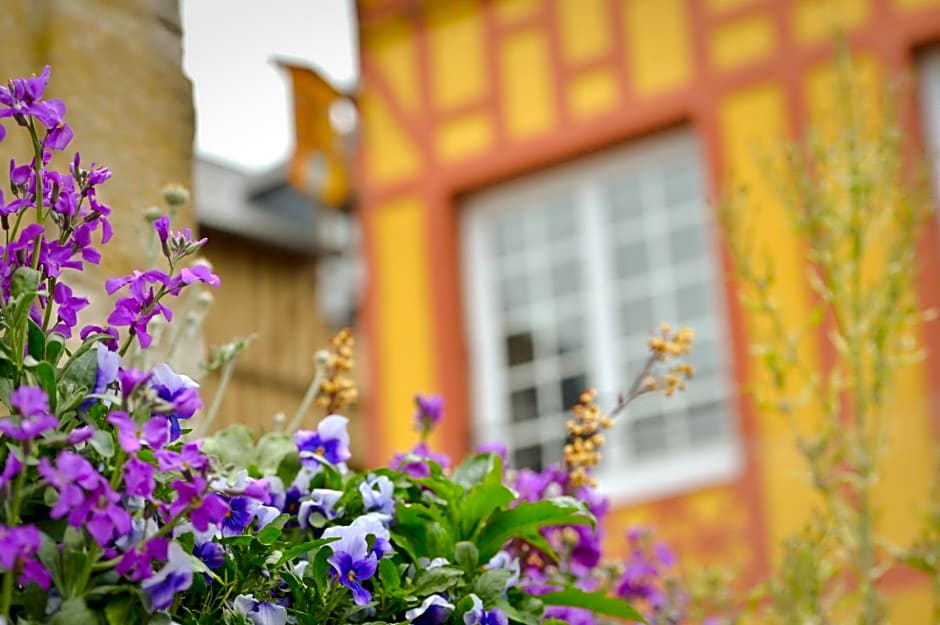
388, 574
288, 468
481, 501
491, 584
436, 580
102, 443
82, 370
272, 531
55, 347
74, 612
596, 602
233, 445
477, 468
35, 340
302, 548
24, 280
466, 556
45, 376
526, 518
271, 449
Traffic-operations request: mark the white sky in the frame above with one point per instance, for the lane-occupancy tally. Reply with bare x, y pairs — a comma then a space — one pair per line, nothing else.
242, 98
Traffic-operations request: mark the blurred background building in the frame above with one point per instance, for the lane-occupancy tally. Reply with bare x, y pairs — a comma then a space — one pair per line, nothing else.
533, 180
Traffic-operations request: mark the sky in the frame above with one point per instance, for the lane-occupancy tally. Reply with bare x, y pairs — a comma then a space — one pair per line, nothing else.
242, 98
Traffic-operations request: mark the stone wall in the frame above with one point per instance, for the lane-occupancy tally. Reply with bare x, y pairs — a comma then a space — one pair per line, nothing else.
117, 64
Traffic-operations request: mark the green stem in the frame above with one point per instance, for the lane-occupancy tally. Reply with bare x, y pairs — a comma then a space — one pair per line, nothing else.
7, 595
213, 410
307, 400
48, 316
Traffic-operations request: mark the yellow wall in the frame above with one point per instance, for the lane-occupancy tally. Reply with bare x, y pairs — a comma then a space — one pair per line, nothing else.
458, 95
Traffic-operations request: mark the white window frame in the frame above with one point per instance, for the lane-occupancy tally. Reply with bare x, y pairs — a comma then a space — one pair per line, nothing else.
624, 481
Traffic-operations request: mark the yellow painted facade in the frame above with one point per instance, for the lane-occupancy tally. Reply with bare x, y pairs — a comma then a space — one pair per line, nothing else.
457, 96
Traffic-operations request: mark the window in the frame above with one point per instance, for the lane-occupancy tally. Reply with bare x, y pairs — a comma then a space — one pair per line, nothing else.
566, 273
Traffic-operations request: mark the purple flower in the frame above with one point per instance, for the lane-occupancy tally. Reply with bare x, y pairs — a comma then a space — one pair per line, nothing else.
180, 393
175, 576
109, 363
106, 519
18, 546
329, 442
240, 513
23, 97
375, 525
67, 311
211, 553
260, 612
137, 563
132, 436
162, 226
141, 304
138, 478
351, 560
434, 610
377, 494
322, 502
205, 508
572, 616
11, 469
189, 458
266, 514
414, 463
32, 404
477, 615
130, 379
81, 434
71, 476
429, 411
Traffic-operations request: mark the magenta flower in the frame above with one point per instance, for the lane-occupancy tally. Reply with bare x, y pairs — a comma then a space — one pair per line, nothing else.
132, 436
189, 458
32, 406
415, 464
137, 562
71, 476
11, 469
205, 508
138, 478
429, 411
18, 548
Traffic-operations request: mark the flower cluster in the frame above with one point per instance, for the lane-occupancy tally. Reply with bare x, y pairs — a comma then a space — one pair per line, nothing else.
110, 505
337, 390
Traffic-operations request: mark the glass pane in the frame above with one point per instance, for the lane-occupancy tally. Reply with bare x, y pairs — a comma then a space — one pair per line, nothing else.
681, 185
527, 458
519, 349
706, 422
693, 302
636, 315
566, 279
514, 292
524, 405
648, 436
510, 236
687, 243
705, 357
630, 259
570, 335
571, 389
624, 200
561, 224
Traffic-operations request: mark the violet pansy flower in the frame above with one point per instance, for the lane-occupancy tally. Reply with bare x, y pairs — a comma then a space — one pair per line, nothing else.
260, 612
329, 442
351, 560
175, 576
434, 610
378, 494
321, 501
180, 392
478, 615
